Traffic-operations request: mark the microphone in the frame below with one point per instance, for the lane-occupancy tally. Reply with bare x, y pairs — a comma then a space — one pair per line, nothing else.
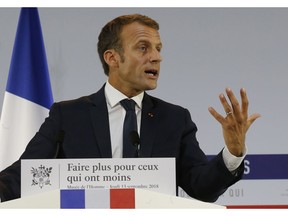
135, 139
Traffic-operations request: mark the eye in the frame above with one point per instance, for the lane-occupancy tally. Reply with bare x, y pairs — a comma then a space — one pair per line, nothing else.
143, 48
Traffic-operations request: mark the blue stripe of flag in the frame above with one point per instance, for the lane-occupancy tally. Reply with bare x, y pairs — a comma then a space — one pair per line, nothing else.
70, 199
28, 76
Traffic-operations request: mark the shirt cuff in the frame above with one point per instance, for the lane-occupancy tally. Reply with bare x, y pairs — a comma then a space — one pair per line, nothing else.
232, 162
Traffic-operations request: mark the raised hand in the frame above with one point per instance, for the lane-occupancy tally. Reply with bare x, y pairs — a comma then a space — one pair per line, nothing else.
236, 122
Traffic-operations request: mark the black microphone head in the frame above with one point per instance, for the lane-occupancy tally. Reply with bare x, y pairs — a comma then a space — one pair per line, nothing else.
134, 137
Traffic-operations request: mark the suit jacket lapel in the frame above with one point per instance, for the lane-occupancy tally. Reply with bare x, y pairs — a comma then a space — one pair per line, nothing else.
148, 126
100, 122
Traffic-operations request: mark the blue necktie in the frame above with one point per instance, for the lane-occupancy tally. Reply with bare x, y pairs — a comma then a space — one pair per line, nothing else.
130, 124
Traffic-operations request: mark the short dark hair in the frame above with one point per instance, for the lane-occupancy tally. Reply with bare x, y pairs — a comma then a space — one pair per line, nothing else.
109, 37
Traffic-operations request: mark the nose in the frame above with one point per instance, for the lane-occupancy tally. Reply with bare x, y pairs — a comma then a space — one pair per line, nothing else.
155, 56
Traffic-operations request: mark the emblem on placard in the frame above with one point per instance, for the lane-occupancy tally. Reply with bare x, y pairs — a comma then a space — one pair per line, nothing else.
41, 176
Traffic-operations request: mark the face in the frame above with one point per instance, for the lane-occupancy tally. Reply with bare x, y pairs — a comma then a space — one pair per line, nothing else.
139, 69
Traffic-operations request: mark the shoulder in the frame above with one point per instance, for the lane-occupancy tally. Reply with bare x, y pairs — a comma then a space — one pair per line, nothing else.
165, 109
169, 112
83, 101
160, 103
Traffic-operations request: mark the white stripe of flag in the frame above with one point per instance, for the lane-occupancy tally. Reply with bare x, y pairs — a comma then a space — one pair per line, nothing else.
28, 95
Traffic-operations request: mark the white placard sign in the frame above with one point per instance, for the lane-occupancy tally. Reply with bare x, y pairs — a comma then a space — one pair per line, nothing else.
156, 174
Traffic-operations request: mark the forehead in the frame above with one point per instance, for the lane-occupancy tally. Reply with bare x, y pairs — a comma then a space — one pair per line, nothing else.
135, 32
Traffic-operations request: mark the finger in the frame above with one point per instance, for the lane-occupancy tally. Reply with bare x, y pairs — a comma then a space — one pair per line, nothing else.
252, 118
234, 102
216, 115
225, 104
245, 103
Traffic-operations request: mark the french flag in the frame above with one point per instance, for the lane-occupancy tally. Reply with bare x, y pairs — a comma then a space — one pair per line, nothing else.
28, 94
98, 199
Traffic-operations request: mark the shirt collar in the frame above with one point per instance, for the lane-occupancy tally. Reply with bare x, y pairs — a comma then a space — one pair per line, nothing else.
114, 96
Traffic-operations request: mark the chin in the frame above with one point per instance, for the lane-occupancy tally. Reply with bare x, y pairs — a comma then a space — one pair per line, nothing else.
151, 87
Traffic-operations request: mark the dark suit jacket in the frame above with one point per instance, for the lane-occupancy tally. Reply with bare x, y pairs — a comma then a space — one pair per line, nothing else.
166, 131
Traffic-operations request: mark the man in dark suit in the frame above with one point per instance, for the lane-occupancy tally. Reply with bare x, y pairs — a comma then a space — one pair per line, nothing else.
91, 127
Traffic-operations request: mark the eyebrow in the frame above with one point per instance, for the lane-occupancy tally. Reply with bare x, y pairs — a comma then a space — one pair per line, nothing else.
146, 41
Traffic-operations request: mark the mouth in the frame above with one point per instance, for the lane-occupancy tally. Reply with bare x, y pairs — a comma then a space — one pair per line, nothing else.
152, 72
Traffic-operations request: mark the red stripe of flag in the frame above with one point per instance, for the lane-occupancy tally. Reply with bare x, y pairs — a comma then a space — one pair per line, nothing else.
122, 198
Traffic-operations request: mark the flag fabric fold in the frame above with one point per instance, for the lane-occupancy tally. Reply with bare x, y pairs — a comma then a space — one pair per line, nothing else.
28, 94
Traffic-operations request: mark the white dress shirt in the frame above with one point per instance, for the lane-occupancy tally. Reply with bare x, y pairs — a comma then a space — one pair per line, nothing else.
116, 119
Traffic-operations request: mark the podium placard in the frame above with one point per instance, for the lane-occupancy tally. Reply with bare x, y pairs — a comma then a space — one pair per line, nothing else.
154, 174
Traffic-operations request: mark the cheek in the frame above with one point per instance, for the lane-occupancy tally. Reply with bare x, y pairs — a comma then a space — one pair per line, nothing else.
134, 66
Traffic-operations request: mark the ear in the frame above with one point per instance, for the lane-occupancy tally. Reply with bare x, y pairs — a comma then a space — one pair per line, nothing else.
111, 57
